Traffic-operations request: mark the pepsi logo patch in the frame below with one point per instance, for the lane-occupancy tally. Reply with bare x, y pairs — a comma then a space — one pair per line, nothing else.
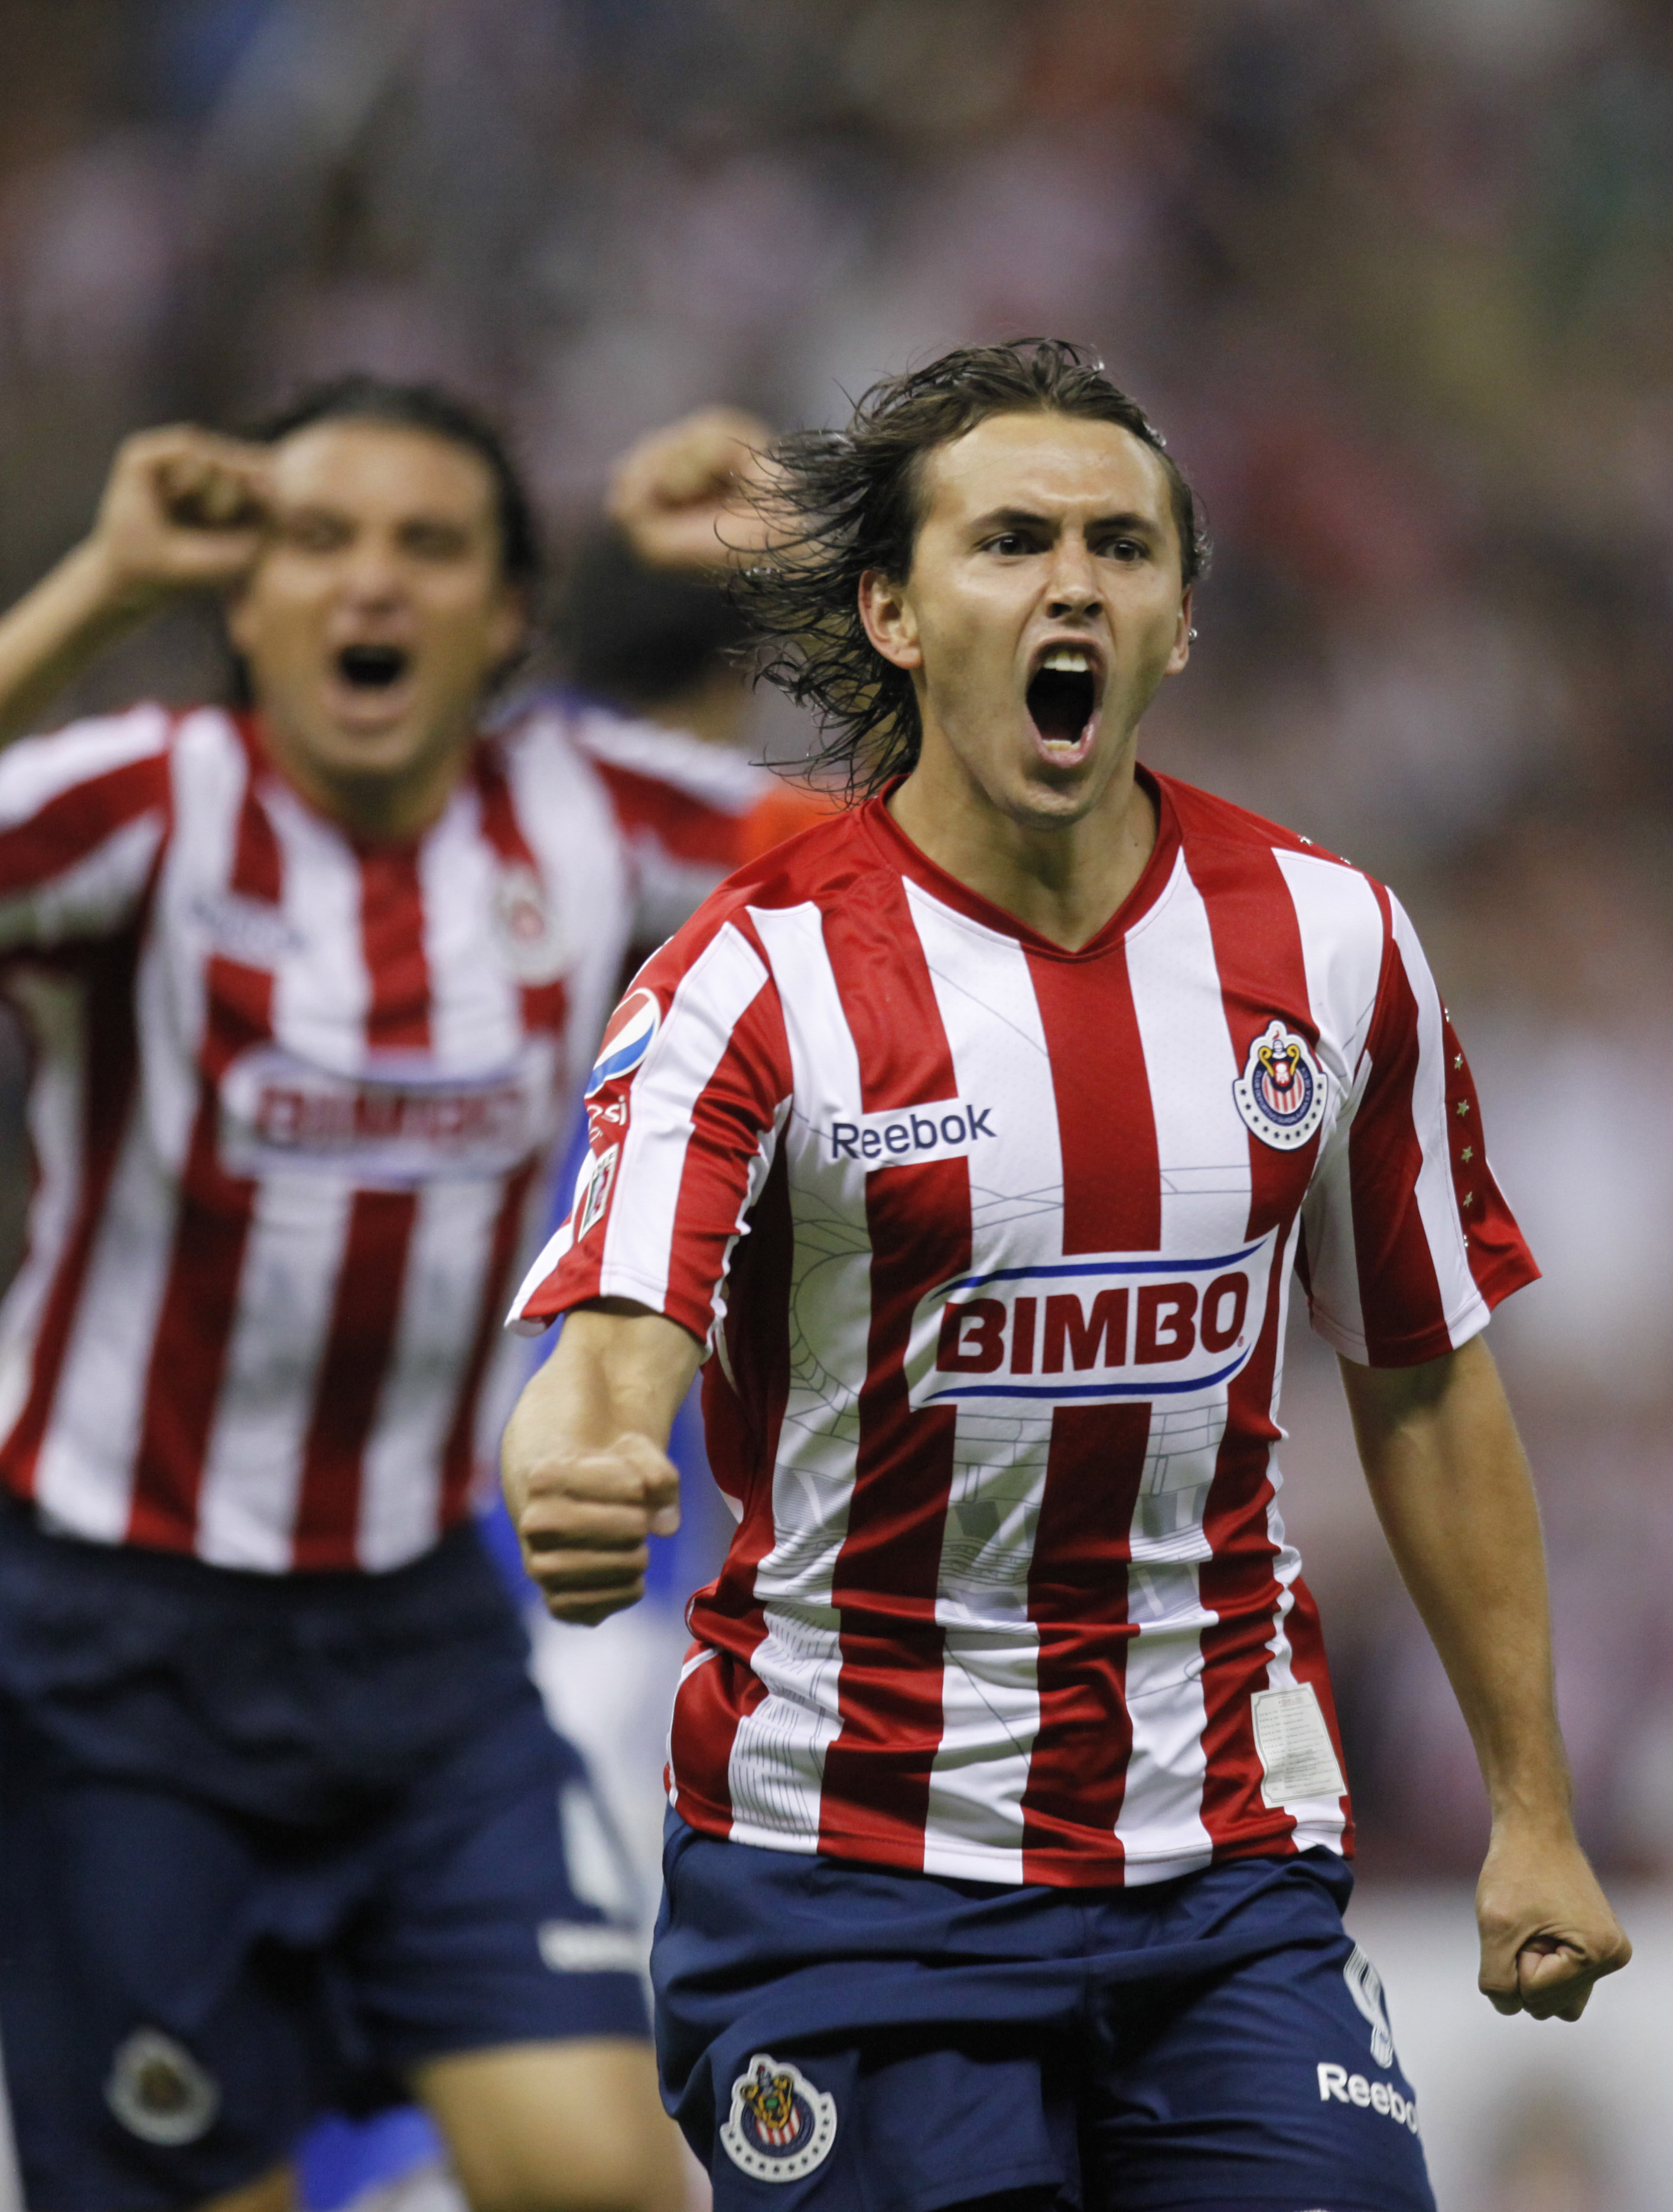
629, 1036
1281, 1093
780, 2126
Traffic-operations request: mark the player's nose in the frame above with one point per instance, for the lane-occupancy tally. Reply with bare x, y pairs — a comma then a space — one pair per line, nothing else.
1071, 585
372, 576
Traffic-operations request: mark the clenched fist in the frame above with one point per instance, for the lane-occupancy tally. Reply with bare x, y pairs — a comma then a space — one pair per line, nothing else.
690, 496
584, 1519
182, 510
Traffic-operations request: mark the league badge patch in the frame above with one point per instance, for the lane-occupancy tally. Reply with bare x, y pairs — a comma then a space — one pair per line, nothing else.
1281, 1091
628, 1035
781, 2127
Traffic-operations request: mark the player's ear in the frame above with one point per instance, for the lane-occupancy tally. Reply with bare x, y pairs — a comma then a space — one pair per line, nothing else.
890, 623
1183, 634
508, 625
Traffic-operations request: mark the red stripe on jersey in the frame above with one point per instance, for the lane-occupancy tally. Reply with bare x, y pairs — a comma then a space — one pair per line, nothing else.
1396, 1270
686, 827
195, 1323
1077, 1577
876, 1783
367, 1309
1263, 975
743, 1453
77, 823
107, 1101
1499, 1260
364, 1316
1077, 1598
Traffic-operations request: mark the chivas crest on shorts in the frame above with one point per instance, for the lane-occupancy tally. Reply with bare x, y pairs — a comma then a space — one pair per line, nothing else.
780, 2126
1281, 1091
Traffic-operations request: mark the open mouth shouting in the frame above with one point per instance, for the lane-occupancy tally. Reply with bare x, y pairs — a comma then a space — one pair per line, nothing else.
370, 682
1063, 698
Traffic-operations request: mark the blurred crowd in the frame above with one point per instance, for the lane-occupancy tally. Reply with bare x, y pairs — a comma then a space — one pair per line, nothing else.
1395, 276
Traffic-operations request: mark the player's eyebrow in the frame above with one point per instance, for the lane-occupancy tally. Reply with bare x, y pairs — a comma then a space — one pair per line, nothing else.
1024, 518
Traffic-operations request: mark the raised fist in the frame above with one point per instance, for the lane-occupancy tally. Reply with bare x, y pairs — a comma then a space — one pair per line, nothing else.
691, 496
182, 510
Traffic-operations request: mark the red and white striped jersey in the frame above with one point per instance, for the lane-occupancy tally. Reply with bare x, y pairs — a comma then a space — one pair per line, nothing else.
991, 1243
294, 1102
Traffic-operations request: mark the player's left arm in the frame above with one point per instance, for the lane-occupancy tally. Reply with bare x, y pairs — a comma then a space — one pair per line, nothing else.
1452, 1487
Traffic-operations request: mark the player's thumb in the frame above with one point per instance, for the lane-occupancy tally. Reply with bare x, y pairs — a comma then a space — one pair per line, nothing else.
1499, 1979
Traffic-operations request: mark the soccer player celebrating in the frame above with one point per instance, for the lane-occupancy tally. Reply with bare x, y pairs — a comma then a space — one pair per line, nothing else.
309, 989
974, 1137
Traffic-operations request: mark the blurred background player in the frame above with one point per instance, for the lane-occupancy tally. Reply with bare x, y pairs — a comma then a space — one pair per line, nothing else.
307, 991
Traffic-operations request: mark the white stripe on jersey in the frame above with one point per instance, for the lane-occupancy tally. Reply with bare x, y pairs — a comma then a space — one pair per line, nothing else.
475, 1010
1203, 1151
287, 1292
990, 1672
570, 826
1342, 941
712, 998
1465, 1309
778, 1759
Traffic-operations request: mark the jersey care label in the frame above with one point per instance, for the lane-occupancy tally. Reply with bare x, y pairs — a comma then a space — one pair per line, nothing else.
398, 1120
1297, 1759
1100, 1327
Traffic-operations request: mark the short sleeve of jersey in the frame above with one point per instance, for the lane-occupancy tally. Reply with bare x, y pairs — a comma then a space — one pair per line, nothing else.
684, 1105
82, 814
1408, 1243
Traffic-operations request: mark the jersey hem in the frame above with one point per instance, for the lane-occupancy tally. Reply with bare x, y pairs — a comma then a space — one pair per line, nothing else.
1508, 1275
1045, 1869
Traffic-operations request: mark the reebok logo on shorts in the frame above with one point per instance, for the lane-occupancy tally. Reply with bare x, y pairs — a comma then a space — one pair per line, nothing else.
1370, 2096
780, 2126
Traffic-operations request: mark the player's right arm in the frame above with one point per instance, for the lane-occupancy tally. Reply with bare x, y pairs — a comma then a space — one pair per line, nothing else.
587, 1476
182, 510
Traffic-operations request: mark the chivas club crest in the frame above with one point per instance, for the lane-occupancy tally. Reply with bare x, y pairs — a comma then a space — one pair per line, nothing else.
531, 937
781, 2127
1281, 1091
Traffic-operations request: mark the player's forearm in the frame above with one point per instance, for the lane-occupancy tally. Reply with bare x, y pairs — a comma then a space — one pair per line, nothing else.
616, 1372
1452, 1487
56, 630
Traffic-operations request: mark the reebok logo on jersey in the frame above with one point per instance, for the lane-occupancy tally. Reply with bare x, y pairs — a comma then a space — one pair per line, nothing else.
943, 1130
1119, 1325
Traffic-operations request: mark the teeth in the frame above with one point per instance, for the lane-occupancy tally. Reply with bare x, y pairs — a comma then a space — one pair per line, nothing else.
1068, 660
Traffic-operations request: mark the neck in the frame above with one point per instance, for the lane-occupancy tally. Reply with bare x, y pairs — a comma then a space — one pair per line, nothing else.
383, 809
1062, 879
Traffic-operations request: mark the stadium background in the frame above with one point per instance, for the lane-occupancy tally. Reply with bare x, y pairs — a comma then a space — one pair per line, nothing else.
1397, 278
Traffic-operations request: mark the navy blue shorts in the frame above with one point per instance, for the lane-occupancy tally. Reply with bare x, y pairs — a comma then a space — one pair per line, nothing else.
837, 2036
266, 1845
